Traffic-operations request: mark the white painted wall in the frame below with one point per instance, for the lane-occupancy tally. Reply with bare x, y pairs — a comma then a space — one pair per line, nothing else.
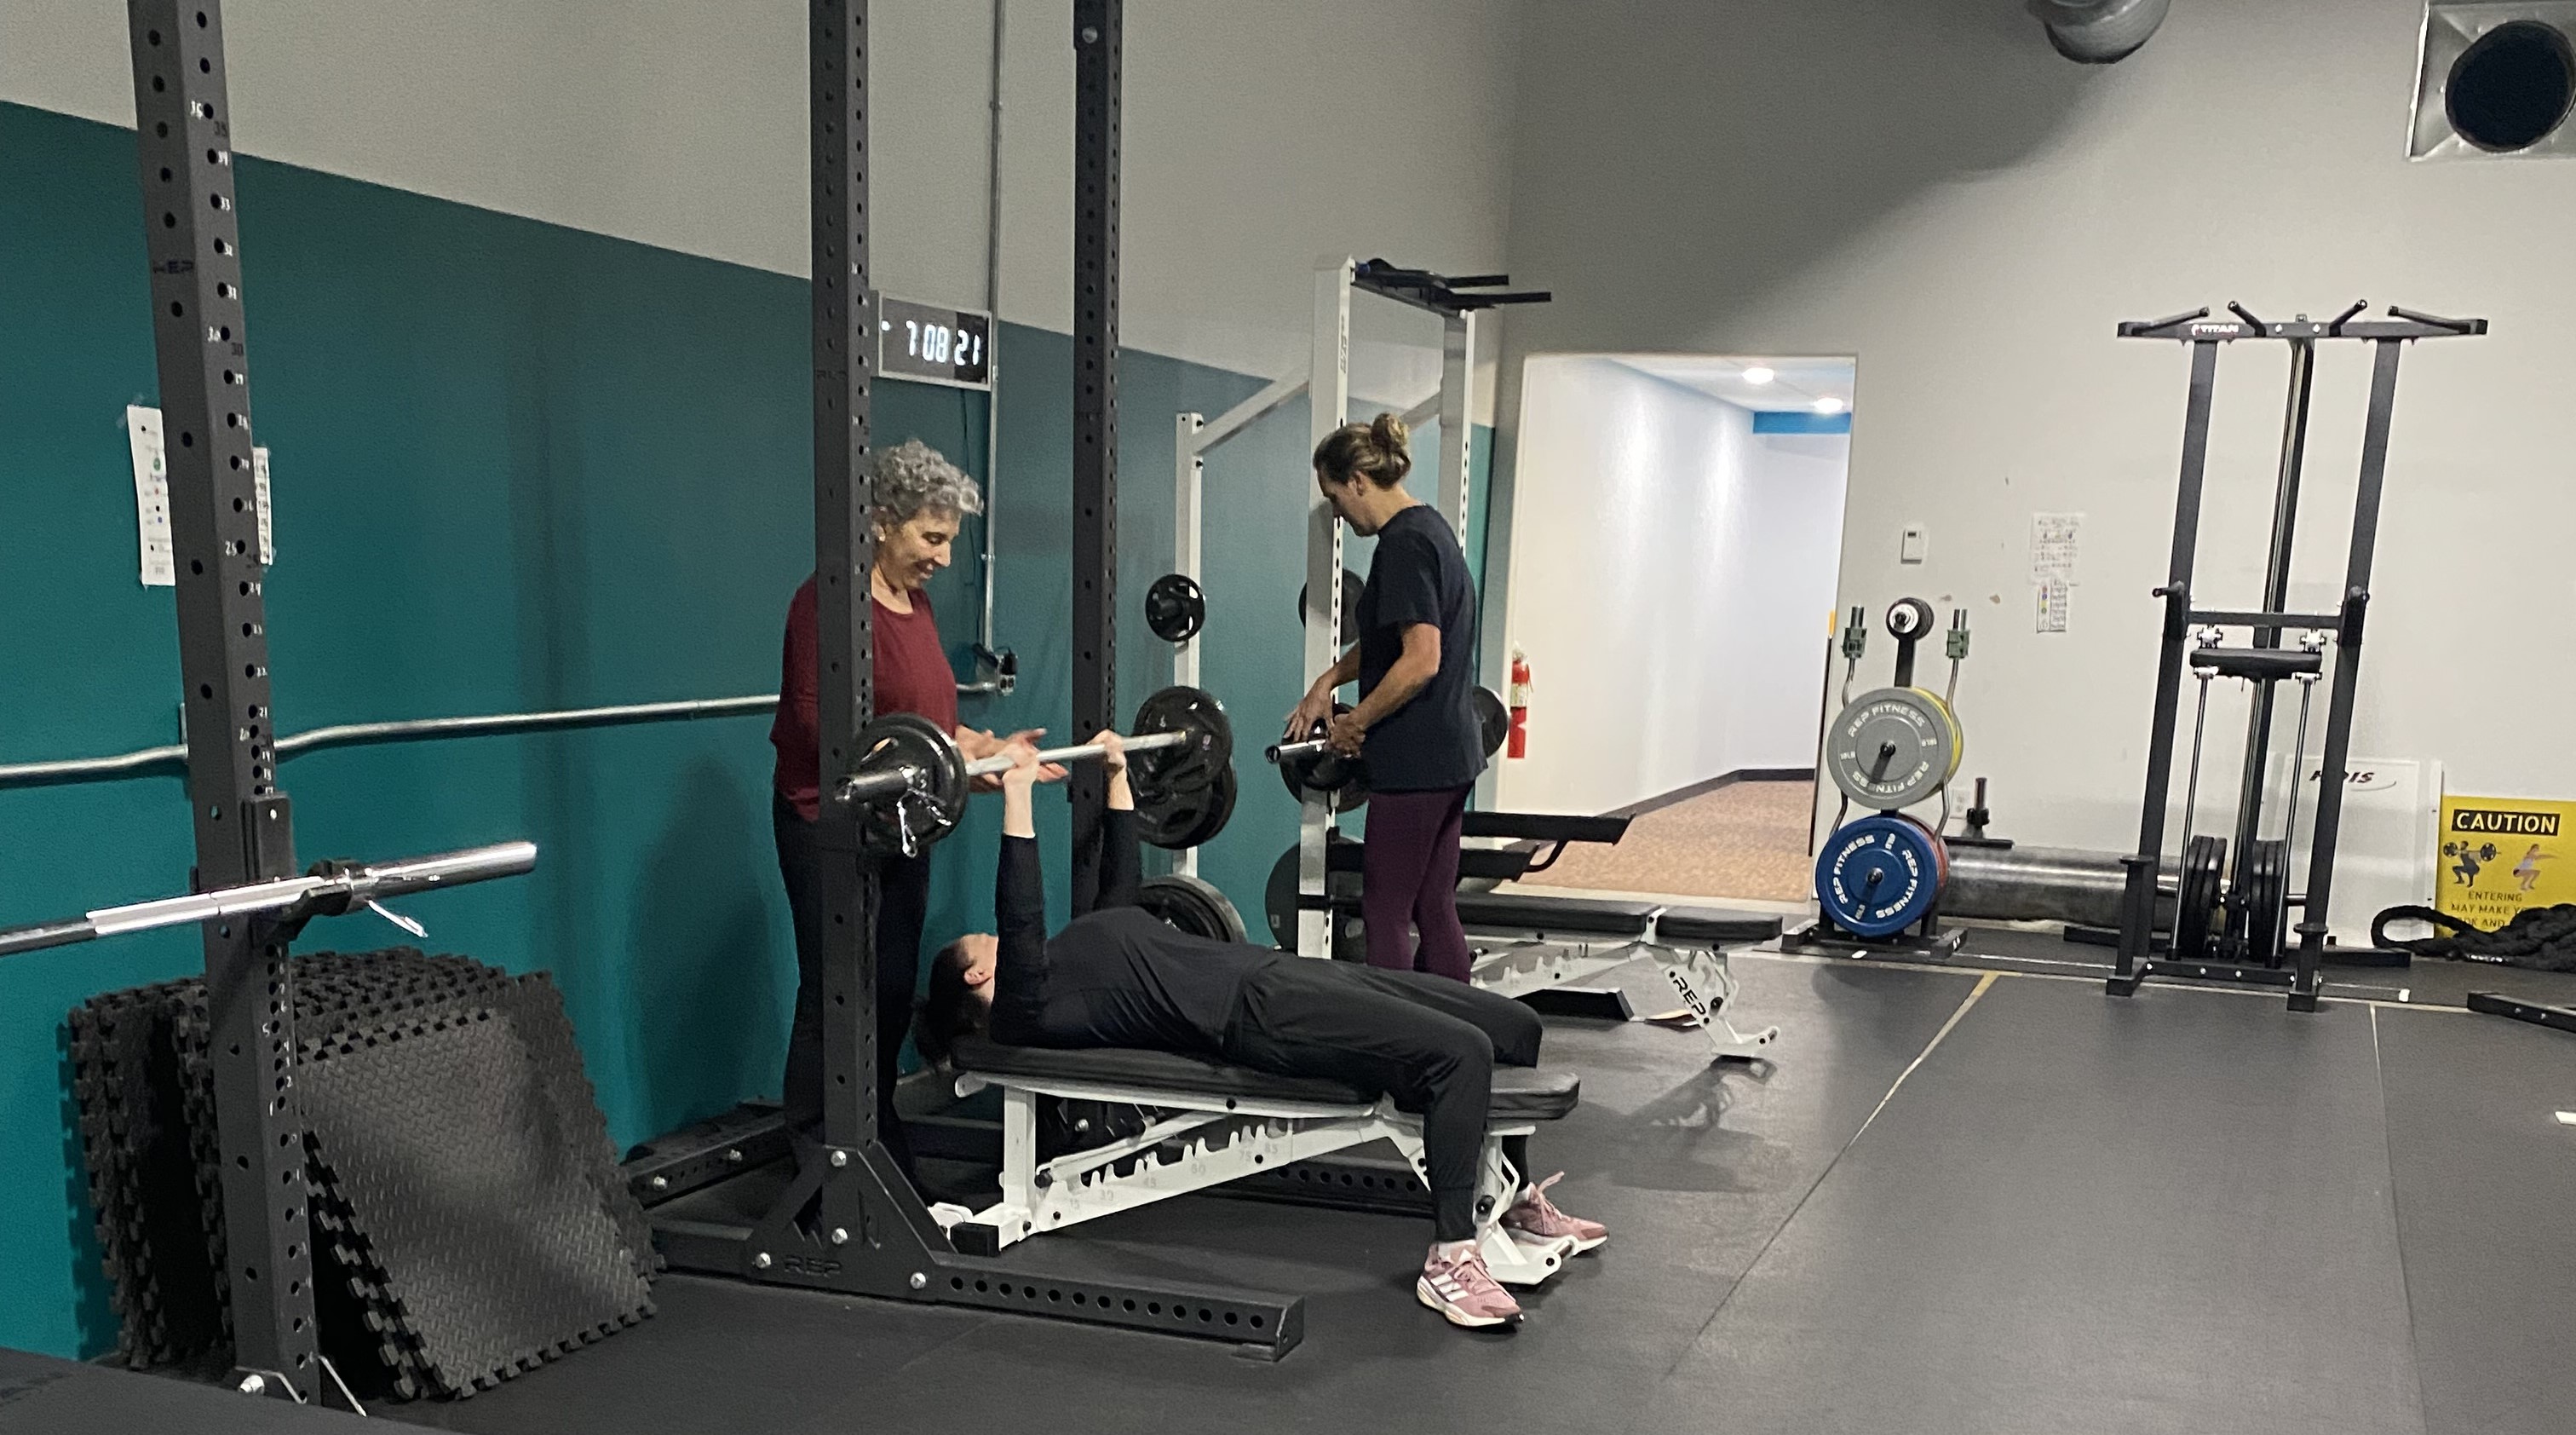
1930, 188
1675, 573
1257, 137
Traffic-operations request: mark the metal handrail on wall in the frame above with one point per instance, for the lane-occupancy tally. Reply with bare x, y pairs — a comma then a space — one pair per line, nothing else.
174, 758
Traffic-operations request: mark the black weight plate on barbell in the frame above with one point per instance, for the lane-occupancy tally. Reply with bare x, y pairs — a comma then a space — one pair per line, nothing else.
934, 804
1353, 586
1158, 774
1190, 818
1346, 778
1175, 608
1493, 720
2196, 896
1191, 905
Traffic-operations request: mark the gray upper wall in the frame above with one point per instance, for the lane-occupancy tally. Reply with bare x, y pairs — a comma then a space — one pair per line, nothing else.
1929, 187
1258, 137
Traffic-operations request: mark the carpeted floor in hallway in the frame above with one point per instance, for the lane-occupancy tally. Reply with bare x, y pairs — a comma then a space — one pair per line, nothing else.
1746, 839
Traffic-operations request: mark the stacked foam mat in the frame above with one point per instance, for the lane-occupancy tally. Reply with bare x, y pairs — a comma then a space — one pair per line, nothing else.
468, 1219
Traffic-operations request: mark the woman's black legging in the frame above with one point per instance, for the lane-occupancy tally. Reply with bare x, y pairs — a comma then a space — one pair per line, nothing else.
1429, 1041
903, 906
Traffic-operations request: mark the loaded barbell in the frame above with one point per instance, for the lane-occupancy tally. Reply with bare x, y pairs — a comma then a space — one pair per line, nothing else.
1310, 764
912, 780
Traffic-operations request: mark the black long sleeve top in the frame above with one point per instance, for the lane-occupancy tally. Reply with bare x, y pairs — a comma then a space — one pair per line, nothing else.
1115, 976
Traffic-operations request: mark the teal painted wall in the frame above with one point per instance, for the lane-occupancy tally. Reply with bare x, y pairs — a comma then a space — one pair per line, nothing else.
518, 466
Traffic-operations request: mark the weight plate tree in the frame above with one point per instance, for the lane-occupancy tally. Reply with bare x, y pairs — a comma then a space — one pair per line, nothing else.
1893, 747
1192, 905
1879, 875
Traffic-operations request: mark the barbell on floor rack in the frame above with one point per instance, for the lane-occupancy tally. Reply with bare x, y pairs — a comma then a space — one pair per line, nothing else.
331, 889
912, 779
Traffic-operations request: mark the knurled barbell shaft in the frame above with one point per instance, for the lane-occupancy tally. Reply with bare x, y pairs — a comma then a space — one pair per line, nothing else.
873, 786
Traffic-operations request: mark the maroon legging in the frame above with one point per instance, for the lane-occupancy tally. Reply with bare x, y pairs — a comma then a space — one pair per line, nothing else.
1409, 879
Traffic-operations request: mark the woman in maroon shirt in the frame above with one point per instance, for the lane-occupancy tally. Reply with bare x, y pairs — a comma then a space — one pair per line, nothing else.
921, 499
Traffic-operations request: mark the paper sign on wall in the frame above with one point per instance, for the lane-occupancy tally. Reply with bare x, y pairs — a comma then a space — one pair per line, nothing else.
2052, 567
2052, 598
144, 442
2500, 855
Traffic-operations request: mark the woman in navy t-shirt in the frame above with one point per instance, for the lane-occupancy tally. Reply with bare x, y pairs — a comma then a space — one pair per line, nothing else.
1414, 657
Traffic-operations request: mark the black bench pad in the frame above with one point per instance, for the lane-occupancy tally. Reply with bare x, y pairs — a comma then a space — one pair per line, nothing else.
1716, 924
1584, 916
1520, 1093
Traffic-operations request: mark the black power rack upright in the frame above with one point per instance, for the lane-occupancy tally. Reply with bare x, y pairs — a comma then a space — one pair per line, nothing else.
2239, 934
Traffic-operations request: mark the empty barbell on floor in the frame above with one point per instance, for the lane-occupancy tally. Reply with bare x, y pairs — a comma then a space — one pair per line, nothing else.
912, 779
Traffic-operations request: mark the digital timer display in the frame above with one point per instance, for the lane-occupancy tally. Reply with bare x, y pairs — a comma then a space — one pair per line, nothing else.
940, 346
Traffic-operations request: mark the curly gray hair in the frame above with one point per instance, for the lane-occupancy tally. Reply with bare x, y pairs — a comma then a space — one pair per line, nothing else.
912, 478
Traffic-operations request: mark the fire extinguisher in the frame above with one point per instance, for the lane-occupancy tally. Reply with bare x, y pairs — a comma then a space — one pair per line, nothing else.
1519, 704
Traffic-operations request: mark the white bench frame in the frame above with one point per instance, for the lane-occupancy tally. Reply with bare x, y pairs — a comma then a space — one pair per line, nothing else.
1526, 962
1203, 1140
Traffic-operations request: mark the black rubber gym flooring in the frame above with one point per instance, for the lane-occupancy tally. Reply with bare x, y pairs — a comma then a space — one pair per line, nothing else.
1957, 1202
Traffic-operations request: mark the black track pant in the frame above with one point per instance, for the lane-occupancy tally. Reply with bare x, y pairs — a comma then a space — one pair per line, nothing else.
1430, 1042
903, 905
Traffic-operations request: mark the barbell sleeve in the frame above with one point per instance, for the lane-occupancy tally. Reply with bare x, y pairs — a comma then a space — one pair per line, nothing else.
330, 890
1297, 751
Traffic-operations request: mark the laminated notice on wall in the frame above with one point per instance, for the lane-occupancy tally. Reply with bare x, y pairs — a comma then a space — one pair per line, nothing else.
2500, 855
2052, 546
152, 498
2052, 597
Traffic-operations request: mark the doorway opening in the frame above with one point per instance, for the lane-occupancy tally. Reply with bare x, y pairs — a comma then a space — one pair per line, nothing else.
1676, 538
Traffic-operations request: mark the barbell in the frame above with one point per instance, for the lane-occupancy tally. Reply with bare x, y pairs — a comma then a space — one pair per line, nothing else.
912, 780
1311, 765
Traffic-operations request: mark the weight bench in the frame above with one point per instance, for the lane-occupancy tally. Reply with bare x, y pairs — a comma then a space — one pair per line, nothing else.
1543, 943
1214, 1123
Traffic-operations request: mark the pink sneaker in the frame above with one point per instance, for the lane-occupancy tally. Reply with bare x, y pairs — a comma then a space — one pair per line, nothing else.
1535, 1215
1464, 1292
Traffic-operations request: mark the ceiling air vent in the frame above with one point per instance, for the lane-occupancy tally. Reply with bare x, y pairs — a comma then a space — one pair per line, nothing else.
2496, 81
2097, 32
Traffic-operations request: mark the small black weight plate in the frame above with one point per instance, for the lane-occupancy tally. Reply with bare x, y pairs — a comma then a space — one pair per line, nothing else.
1493, 719
1353, 586
1175, 608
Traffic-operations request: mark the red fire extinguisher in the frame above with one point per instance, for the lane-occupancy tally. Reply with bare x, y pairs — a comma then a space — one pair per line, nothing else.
1519, 704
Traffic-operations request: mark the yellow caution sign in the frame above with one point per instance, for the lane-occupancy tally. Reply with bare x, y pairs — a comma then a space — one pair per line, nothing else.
2502, 854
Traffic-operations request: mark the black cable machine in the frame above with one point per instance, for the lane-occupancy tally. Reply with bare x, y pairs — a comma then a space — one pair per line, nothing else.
2236, 929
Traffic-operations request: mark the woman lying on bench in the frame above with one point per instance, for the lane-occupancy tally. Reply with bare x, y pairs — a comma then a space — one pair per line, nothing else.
1118, 977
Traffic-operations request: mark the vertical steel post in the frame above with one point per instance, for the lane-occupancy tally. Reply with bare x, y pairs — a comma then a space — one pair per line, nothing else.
2347, 671
1189, 477
2276, 598
844, 313
244, 827
2138, 897
1328, 399
1096, 85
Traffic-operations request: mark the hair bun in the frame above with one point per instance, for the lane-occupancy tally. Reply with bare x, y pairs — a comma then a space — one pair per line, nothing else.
1391, 434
